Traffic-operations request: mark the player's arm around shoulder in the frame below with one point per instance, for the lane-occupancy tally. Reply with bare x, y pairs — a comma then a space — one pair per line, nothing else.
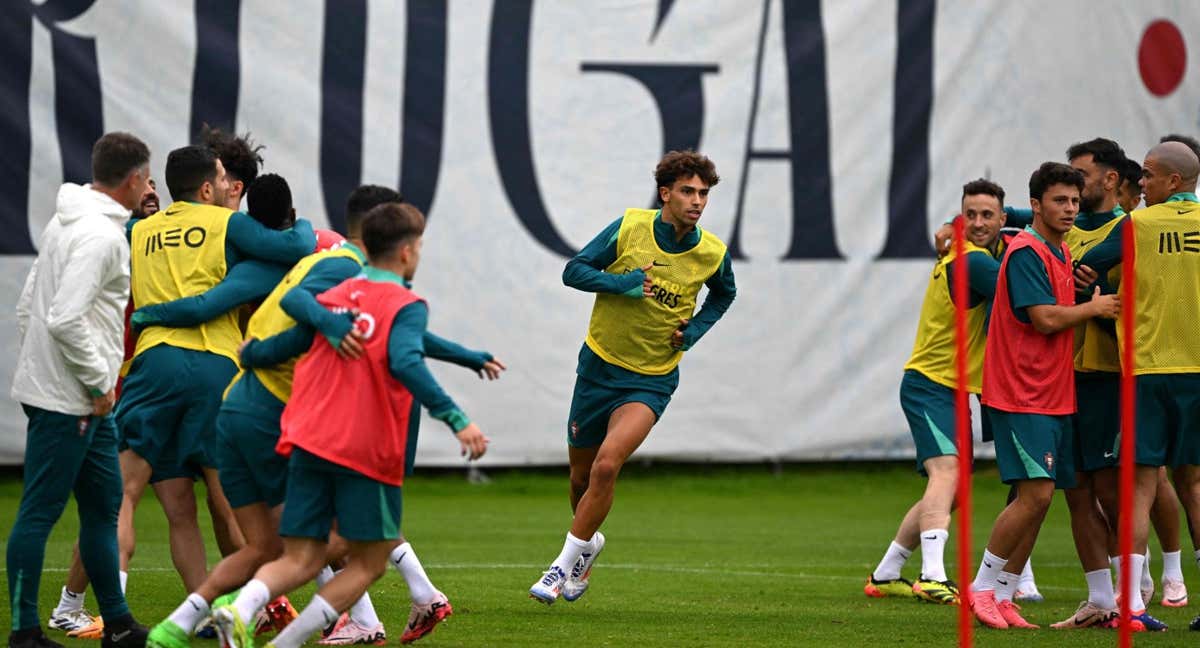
406, 363
258, 241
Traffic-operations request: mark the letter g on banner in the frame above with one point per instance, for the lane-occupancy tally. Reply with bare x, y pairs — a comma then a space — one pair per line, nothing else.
77, 106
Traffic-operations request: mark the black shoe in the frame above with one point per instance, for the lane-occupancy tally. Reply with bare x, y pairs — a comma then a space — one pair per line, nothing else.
124, 633
1194, 625
32, 638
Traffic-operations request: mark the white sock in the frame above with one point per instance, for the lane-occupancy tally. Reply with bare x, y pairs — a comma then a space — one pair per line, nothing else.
69, 601
190, 612
324, 576
1172, 568
316, 615
251, 599
363, 612
1100, 589
571, 550
1147, 581
420, 588
1136, 562
990, 567
933, 546
1027, 584
893, 561
124, 576
1006, 585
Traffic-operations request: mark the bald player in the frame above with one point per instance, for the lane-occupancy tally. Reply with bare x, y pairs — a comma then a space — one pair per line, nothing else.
1166, 353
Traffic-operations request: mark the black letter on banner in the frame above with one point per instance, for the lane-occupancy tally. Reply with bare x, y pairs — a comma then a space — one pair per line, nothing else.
78, 107
808, 112
424, 101
216, 76
508, 110
677, 90
908, 221
343, 70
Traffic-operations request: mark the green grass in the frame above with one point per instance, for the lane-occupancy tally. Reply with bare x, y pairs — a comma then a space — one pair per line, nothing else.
695, 557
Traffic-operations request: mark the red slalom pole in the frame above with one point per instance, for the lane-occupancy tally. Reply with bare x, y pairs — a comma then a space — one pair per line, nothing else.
962, 428
1125, 515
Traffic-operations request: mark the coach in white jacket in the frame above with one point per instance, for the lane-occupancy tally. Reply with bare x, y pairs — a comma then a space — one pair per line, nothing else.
70, 318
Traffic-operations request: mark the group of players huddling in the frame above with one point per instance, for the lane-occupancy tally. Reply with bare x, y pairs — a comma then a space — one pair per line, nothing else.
286, 367
1043, 358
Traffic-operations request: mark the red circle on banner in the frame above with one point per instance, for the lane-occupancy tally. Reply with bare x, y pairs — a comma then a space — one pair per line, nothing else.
1162, 57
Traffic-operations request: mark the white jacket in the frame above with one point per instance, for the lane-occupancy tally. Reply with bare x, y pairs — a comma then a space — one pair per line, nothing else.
71, 314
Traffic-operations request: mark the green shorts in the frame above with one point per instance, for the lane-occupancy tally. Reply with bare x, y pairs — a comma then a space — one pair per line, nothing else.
1168, 420
250, 469
1033, 446
168, 408
319, 492
592, 404
1098, 421
929, 408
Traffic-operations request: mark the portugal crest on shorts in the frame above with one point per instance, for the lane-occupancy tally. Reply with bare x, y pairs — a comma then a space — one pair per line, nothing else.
1049, 461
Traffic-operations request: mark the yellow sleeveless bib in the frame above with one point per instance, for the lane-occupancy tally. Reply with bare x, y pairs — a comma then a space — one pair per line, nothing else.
934, 350
1095, 343
176, 253
1167, 316
270, 319
634, 333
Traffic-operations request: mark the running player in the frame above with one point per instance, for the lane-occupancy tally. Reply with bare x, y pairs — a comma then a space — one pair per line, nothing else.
333, 465
1028, 381
174, 384
69, 321
646, 269
927, 397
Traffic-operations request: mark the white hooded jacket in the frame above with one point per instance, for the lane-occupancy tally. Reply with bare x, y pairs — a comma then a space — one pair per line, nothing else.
71, 312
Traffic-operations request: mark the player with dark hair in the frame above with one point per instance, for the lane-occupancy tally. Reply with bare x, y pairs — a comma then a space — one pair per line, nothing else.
173, 388
1028, 381
348, 446
239, 155
927, 397
1129, 195
1187, 140
68, 320
646, 269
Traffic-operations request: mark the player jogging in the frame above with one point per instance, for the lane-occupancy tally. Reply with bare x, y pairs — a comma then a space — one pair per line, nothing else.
646, 269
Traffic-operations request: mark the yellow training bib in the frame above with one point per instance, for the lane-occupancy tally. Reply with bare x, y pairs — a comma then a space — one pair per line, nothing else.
635, 333
934, 350
1167, 315
1095, 340
176, 253
270, 319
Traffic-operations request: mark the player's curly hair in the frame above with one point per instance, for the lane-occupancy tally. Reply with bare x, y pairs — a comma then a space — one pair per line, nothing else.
239, 154
269, 200
677, 165
1050, 174
984, 187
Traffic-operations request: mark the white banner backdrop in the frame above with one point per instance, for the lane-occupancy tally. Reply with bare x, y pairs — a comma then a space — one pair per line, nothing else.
807, 362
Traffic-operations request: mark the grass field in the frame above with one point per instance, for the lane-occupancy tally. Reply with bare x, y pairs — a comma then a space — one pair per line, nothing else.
696, 557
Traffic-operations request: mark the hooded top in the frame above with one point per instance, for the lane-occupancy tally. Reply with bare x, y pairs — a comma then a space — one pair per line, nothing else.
70, 313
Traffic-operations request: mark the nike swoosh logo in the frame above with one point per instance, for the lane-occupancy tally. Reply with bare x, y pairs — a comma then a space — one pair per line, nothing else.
667, 265
397, 561
934, 538
1182, 211
118, 636
1086, 243
1109, 455
989, 565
